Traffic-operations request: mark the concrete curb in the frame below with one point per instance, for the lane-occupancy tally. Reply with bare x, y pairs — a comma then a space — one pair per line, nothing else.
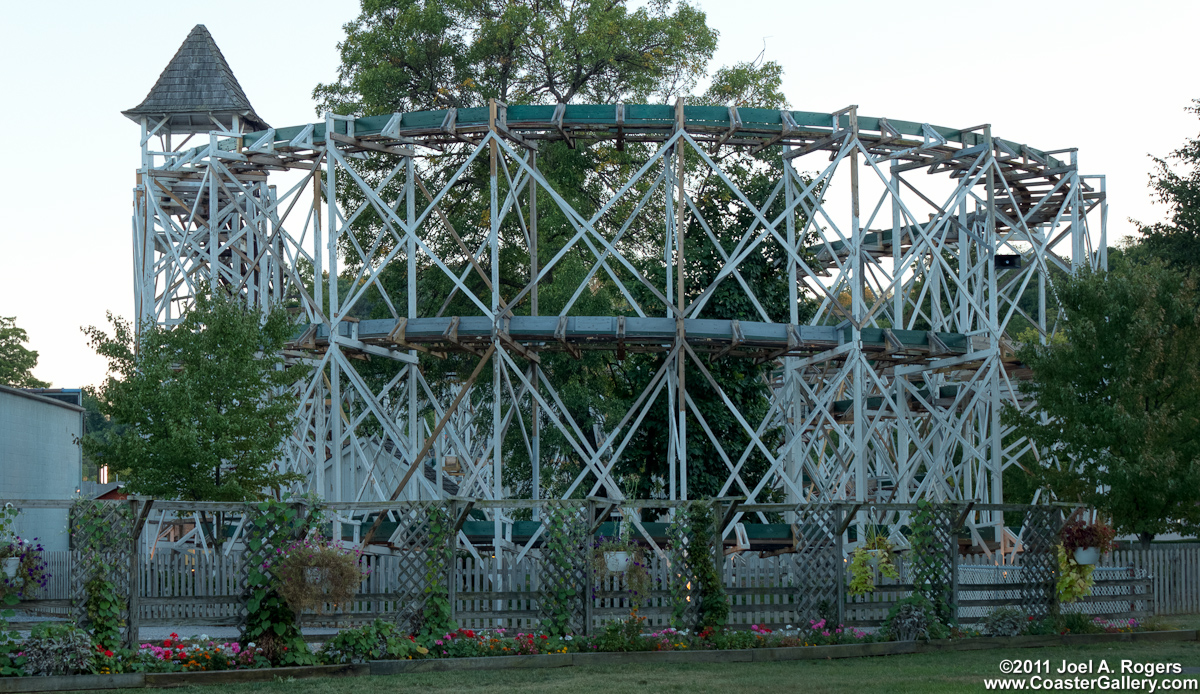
556, 660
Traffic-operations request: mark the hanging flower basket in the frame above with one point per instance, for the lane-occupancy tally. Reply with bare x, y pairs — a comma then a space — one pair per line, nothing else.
1086, 542
22, 568
311, 574
617, 562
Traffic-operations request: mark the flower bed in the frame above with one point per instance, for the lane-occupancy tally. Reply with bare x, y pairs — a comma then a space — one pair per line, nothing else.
383, 641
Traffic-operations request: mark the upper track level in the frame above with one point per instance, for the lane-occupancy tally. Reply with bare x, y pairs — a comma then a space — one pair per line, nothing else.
913, 145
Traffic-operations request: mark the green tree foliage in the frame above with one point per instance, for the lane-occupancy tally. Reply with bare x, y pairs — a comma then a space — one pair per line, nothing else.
1117, 417
405, 55
1176, 241
203, 405
17, 362
414, 55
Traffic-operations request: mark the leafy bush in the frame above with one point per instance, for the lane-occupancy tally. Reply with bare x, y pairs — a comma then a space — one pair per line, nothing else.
58, 649
1045, 626
379, 640
1005, 621
622, 636
1081, 624
914, 618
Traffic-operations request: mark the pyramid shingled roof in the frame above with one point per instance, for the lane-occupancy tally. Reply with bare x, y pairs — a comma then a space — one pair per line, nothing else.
197, 83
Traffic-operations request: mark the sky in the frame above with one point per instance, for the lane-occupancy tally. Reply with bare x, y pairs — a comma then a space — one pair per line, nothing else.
1112, 78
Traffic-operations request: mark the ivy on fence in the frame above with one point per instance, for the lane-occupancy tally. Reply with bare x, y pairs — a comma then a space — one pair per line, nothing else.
269, 622
703, 536
102, 537
437, 615
931, 561
564, 552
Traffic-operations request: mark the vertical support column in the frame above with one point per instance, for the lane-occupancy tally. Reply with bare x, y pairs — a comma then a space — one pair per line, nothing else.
858, 311
213, 207
494, 245
410, 202
898, 298
680, 334
672, 378
1103, 223
335, 374
795, 466
996, 440
1079, 254
535, 443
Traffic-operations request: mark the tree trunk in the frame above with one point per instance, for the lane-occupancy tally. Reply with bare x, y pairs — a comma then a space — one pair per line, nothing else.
1144, 539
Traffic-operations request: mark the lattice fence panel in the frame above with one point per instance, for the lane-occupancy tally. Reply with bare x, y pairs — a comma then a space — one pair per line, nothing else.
265, 533
932, 564
566, 556
1039, 560
817, 564
101, 540
681, 583
423, 551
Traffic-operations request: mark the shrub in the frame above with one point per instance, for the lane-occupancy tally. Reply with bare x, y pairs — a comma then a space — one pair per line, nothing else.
1080, 624
379, 640
1005, 621
914, 618
58, 649
622, 636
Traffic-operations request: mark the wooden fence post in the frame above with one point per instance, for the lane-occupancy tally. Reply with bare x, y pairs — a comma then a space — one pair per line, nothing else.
132, 625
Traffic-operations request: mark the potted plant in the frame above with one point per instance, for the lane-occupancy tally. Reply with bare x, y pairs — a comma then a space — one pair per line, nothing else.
874, 553
1086, 542
23, 567
623, 558
313, 572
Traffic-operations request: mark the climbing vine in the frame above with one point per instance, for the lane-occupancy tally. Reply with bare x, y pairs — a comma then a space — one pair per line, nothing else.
560, 557
928, 559
102, 535
270, 622
437, 617
702, 528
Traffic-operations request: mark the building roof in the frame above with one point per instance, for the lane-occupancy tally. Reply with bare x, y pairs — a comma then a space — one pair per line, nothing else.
5, 390
196, 84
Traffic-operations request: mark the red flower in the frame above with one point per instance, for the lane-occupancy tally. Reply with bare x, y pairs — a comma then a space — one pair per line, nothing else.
108, 653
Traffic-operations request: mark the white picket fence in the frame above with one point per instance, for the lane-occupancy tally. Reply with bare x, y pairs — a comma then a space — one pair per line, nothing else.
202, 588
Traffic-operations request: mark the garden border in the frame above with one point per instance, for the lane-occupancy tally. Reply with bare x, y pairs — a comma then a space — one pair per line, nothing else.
747, 655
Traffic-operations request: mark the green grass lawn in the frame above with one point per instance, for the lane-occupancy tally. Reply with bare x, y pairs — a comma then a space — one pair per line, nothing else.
962, 671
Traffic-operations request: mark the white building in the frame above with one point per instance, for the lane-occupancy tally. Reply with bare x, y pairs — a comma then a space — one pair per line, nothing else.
40, 458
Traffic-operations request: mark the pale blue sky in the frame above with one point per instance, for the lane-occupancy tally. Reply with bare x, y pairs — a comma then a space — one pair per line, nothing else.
1111, 78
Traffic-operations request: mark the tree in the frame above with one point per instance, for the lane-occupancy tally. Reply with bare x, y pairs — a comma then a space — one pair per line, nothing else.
17, 362
415, 55
403, 55
1117, 414
1177, 240
204, 405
